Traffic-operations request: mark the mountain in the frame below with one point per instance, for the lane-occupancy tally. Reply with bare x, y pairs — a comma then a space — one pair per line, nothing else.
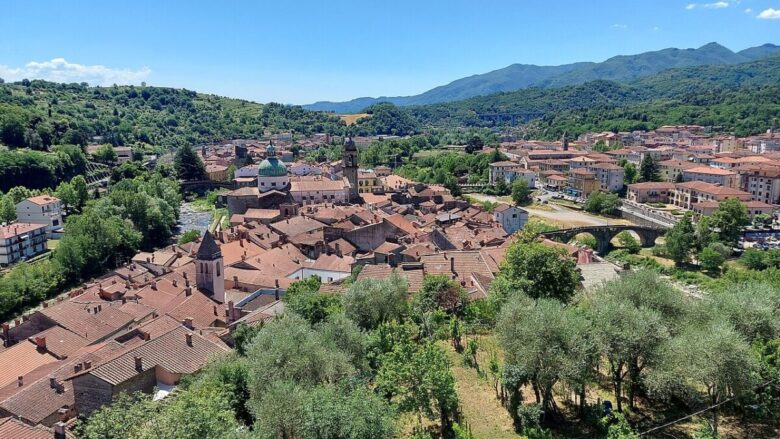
622, 68
744, 98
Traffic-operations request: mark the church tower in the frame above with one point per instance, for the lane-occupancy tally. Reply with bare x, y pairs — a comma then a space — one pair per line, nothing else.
350, 165
209, 271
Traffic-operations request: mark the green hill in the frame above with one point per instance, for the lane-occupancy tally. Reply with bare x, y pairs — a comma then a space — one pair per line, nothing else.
38, 114
622, 68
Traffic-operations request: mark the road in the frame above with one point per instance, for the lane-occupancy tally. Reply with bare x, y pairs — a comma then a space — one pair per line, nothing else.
560, 215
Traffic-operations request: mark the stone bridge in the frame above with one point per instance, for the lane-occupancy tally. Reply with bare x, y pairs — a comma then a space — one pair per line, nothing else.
604, 234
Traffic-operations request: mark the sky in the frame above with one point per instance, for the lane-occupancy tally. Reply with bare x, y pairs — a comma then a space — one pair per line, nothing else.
299, 52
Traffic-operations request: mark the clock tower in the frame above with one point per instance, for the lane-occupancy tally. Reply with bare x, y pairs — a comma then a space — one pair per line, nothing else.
350, 165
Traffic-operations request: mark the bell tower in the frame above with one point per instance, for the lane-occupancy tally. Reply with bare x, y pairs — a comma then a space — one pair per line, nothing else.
350, 165
209, 269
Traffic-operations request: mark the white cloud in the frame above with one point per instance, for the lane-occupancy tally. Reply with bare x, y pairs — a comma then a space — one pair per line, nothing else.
748, 11
60, 70
619, 26
716, 5
769, 14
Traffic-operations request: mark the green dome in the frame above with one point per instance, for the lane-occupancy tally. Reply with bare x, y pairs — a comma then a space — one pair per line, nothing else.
272, 167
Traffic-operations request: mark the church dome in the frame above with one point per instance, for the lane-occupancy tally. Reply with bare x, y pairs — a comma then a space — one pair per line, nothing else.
272, 166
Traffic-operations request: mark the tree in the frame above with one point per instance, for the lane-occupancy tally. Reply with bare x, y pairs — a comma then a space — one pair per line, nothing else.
475, 143
730, 218
753, 259
713, 257
82, 191
189, 236
331, 413
752, 308
123, 418
371, 302
679, 178
7, 209
303, 298
188, 165
604, 203
542, 342
630, 173
540, 271
419, 380
106, 154
628, 242
628, 337
439, 293
680, 240
67, 194
521, 193
648, 169
711, 356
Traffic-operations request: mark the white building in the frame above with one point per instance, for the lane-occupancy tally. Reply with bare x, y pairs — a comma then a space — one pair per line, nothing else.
272, 173
314, 190
511, 218
610, 176
43, 209
510, 171
304, 169
21, 240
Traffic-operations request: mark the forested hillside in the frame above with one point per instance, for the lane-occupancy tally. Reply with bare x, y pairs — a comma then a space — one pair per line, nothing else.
38, 114
743, 98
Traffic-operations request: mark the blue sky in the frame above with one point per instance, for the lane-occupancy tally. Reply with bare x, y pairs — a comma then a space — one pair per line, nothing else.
303, 51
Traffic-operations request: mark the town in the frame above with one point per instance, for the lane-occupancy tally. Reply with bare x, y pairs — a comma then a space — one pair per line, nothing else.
373, 220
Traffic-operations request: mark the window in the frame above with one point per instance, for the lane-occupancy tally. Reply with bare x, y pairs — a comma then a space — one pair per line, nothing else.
55, 223
218, 269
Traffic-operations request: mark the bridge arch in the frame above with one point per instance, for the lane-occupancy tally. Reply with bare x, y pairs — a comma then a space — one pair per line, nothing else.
605, 234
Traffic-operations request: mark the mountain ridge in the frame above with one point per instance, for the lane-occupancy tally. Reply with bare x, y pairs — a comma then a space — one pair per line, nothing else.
620, 68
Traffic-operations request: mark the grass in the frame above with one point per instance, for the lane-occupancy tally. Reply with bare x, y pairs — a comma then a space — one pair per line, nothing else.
483, 413
351, 119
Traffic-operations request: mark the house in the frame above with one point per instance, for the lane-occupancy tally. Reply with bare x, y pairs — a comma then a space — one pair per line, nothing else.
511, 218
368, 182
216, 172
650, 192
670, 169
763, 182
43, 209
684, 195
709, 174
20, 241
509, 171
582, 183
610, 176
316, 190
160, 362
706, 208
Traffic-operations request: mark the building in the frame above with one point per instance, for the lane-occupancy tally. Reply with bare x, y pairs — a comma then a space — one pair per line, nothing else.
209, 269
124, 154
670, 169
368, 182
511, 218
763, 183
582, 183
510, 171
350, 165
650, 192
711, 175
706, 208
19, 241
316, 190
43, 209
272, 172
215, 172
610, 176
686, 194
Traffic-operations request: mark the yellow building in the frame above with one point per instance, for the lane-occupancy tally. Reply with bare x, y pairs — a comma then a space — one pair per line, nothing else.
368, 182
582, 183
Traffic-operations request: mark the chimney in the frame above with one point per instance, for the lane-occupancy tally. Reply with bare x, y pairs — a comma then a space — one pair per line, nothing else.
175, 284
452, 265
147, 336
216, 313
124, 300
188, 338
53, 382
87, 364
154, 285
186, 283
45, 304
6, 329
187, 322
232, 310
77, 368
188, 291
59, 430
139, 365
41, 343
276, 283
63, 412
185, 275
19, 381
